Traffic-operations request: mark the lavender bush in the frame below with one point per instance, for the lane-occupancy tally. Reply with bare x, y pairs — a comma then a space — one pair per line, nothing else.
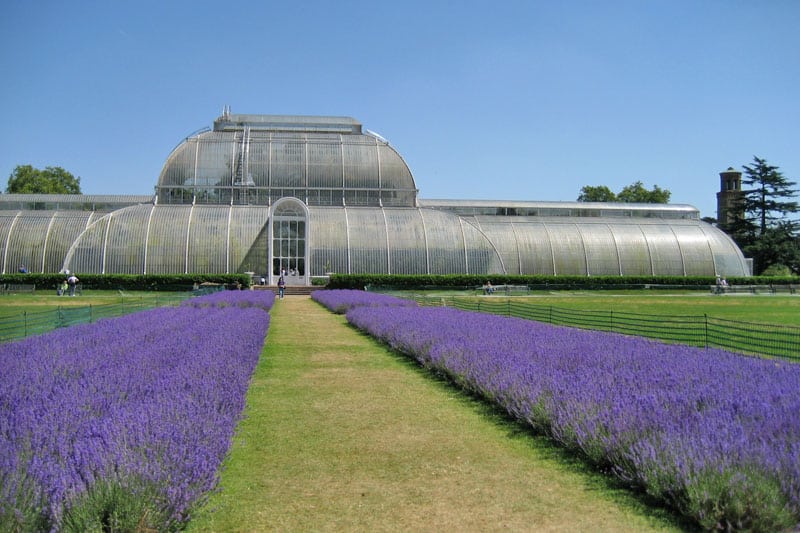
714, 434
340, 300
143, 405
262, 299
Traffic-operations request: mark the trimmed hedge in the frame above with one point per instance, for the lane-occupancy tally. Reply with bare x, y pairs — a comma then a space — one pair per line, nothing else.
129, 282
463, 281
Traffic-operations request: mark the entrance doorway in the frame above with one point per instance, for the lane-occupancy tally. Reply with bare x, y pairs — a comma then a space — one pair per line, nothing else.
289, 242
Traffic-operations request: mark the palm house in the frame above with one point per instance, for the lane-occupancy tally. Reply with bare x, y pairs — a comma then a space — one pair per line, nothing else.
314, 195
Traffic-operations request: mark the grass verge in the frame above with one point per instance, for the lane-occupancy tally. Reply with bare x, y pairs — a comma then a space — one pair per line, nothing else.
782, 309
342, 434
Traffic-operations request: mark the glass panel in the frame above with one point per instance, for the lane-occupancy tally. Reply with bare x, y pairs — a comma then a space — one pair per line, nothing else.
407, 252
325, 164
664, 249
87, 254
445, 243
328, 250
166, 243
26, 245
695, 250
360, 162
249, 244
126, 240
568, 251
288, 164
601, 249
634, 252
208, 235
368, 249
215, 161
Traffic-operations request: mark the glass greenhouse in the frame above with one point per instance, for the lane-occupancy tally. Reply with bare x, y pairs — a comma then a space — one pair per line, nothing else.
315, 195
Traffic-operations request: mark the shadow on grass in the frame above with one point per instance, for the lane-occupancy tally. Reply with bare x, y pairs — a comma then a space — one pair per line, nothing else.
596, 478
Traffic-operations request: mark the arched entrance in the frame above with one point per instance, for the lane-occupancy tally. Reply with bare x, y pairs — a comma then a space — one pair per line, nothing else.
288, 243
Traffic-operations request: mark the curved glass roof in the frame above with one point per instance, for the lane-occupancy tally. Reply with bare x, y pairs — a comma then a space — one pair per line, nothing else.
346, 202
257, 159
210, 239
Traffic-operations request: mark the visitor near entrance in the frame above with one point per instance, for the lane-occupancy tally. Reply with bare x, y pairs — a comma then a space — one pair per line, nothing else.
72, 281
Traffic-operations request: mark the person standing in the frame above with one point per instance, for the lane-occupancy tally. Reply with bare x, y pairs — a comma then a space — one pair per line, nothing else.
281, 287
72, 281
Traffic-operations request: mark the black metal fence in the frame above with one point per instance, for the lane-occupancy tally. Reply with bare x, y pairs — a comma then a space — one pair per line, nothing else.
28, 323
696, 330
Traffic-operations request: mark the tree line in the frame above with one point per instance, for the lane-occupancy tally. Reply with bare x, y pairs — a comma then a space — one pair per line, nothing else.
25, 179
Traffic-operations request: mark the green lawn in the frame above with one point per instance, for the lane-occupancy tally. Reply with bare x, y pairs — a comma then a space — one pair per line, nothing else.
34, 313
342, 434
14, 304
759, 308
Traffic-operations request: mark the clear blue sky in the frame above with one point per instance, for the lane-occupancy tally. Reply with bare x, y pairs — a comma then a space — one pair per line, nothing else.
522, 100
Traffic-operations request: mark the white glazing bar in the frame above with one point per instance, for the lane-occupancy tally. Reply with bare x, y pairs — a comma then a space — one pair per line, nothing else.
464, 242
47, 238
186, 247
550, 244
585, 251
105, 242
8, 240
388, 244
616, 248
427, 250
147, 238
649, 253
680, 249
347, 237
516, 245
228, 242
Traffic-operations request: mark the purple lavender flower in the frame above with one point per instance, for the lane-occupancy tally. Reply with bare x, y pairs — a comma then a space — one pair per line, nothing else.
262, 299
714, 433
340, 300
153, 395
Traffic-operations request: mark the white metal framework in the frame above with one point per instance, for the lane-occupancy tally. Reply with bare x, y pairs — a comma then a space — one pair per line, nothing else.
315, 195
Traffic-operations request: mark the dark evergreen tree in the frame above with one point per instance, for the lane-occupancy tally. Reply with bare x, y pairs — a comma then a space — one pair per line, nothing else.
762, 226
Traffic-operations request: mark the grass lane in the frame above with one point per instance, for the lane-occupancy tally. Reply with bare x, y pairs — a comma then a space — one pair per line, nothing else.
342, 435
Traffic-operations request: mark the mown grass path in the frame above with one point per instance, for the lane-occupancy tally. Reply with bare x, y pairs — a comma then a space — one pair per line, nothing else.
343, 435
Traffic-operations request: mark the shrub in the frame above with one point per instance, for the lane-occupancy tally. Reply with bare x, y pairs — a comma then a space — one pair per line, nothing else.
715, 434
143, 405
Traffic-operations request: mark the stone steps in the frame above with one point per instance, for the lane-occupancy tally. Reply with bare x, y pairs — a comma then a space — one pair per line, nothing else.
291, 290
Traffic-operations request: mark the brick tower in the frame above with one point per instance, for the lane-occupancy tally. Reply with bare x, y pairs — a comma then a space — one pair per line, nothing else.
730, 192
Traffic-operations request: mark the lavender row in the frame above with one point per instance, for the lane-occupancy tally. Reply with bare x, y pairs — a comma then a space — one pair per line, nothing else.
262, 299
340, 300
715, 434
153, 396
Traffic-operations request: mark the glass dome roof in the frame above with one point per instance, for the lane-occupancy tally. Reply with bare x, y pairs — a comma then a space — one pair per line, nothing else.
257, 159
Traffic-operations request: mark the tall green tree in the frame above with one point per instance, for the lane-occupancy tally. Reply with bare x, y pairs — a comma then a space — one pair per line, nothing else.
763, 227
599, 193
637, 193
633, 193
52, 180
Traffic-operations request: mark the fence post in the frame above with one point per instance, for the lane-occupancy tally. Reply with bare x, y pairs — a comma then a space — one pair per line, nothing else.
611, 320
25, 322
705, 324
